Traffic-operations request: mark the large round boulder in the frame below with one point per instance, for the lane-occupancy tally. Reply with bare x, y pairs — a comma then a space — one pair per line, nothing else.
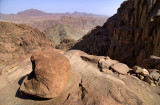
51, 71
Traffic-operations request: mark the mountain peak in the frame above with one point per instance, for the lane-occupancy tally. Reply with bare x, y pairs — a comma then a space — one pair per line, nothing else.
80, 13
32, 12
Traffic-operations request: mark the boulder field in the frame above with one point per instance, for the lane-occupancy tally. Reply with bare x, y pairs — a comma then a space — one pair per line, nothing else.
54, 77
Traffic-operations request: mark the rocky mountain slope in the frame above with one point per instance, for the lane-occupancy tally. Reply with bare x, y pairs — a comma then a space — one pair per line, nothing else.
60, 31
66, 44
129, 36
17, 40
32, 12
84, 23
80, 22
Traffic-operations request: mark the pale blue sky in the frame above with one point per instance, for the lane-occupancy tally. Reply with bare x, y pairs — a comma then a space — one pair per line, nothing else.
104, 7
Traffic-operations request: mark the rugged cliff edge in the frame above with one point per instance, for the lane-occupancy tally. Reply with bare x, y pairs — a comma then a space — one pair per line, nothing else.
129, 36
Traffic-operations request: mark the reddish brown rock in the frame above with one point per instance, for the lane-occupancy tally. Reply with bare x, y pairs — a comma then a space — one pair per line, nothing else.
130, 36
51, 71
17, 40
121, 68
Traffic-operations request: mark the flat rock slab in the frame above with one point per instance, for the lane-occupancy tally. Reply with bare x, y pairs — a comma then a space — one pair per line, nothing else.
121, 68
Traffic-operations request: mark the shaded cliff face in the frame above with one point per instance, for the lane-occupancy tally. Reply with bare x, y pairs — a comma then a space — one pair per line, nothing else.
17, 40
130, 36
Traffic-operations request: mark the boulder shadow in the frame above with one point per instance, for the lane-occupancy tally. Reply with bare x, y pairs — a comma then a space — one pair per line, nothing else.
20, 95
21, 80
25, 96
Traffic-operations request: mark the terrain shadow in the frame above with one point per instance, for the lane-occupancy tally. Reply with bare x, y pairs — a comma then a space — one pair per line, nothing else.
21, 80
25, 96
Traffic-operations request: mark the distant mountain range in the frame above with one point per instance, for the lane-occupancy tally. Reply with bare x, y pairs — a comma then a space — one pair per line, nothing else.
35, 12
81, 22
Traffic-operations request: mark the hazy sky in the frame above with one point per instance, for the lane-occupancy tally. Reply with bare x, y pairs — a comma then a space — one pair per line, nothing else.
105, 7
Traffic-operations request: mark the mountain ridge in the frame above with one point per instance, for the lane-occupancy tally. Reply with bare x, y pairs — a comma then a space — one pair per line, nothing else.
30, 12
82, 22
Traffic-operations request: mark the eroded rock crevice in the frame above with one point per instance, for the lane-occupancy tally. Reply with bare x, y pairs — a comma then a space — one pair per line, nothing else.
83, 90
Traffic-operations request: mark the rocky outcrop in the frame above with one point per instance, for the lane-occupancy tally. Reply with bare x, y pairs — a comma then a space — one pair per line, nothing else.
57, 25
66, 44
121, 68
127, 36
106, 64
17, 40
130, 36
87, 84
95, 86
50, 74
151, 76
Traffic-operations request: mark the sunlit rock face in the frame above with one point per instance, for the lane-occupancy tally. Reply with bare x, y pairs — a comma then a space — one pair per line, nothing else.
129, 36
